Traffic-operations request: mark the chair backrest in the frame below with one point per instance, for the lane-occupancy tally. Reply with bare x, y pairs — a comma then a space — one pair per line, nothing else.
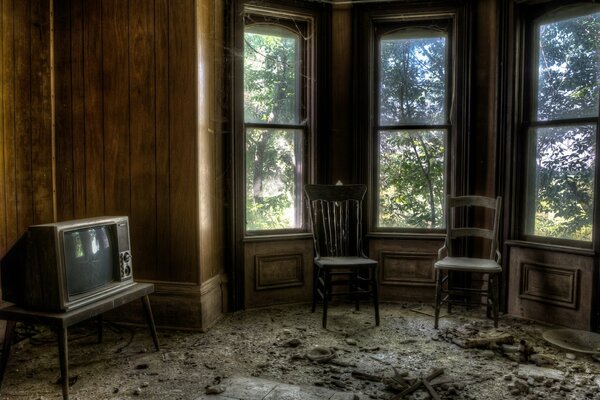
336, 219
454, 231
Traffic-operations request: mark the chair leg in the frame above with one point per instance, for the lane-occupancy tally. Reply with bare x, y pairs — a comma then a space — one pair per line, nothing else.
375, 290
355, 289
449, 283
315, 287
326, 290
496, 298
438, 297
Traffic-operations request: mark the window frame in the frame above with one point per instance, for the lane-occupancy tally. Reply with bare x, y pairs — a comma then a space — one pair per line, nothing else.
532, 15
381, 29
295, 21
458, 15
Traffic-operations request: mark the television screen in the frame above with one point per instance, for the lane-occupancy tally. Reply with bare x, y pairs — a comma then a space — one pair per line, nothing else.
89, 259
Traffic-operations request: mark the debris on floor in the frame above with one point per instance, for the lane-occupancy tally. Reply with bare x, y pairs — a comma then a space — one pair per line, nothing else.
286, 345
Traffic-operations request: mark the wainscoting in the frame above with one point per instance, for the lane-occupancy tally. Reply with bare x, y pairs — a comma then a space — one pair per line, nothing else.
553, 286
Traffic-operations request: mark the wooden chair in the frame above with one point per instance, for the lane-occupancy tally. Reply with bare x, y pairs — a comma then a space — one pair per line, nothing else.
336, 221
449, 262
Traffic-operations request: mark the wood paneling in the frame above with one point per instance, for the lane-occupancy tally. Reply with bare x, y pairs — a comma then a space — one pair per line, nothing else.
278, 272
129, 125
133, 126
26, 191
551, 286
405, 268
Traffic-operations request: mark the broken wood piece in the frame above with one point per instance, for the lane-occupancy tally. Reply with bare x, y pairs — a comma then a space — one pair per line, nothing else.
479, 342
341, 363
397, 384
430, 389
432, 375
397, 381
366, 376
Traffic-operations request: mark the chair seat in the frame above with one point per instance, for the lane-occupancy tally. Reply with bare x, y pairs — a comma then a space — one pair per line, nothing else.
468, 264
335, 262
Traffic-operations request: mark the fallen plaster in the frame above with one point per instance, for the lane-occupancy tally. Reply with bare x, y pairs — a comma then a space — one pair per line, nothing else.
278, 345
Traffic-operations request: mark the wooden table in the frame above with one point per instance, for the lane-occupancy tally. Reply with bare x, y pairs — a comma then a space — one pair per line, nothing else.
62, 320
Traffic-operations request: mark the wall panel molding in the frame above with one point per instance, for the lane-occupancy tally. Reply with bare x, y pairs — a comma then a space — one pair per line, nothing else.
550, 284
278, 271
407, 268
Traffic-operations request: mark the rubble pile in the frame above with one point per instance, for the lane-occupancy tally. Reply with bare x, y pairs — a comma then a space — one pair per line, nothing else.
403, 358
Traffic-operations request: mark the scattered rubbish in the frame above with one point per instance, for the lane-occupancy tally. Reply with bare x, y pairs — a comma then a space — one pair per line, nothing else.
214, 389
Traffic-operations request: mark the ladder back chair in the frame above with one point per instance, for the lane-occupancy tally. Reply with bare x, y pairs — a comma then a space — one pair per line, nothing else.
449, 261
336, 223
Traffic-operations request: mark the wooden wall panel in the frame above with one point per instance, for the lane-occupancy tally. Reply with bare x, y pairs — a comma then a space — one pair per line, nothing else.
183, 141
552, 286
22, 99
41, 114
93, 148
278, 272
341, 154
116, 107
7, 116
63, 33
26, 168
76, 76
126, 125
406, 268
143, 133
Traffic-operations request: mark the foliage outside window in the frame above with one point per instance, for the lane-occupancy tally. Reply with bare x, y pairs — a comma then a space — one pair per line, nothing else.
563, 130
412, 130
274, 126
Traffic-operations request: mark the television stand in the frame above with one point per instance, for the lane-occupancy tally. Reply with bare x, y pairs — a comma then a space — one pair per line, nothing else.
62, 320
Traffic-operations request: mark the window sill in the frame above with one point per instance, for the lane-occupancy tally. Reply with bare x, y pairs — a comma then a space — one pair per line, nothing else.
277, 237
551, 247
407, 235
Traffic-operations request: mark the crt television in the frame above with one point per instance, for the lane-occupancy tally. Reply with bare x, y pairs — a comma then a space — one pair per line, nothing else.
65, 265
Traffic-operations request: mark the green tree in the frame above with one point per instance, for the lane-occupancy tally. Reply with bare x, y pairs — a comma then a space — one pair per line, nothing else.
412, 91
271, 76
568, 87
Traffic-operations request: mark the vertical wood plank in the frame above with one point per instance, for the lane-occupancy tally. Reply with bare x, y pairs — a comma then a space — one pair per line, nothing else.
22, 63
8, 78
115, 110
93, 107
3, 72
217, 76
163, 147
41, 109
340, 163
78, 129
143, 136
182, 129
63, 85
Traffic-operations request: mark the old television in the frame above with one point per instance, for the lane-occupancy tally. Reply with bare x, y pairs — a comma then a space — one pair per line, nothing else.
65, 265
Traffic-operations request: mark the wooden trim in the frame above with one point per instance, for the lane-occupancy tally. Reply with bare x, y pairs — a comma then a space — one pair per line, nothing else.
550, 247
571, 275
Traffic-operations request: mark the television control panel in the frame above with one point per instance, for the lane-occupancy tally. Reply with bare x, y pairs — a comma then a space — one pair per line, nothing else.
125, 264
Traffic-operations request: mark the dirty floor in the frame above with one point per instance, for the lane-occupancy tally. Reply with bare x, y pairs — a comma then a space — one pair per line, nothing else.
282, 346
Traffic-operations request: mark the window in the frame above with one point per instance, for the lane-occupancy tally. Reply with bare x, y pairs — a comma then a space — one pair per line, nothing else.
275, 122
412, 125
561, 124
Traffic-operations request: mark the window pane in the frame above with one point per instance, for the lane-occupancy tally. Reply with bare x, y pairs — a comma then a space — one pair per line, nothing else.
411, 178
569, 68
412, 78
564, 182
271, 75
273, 178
